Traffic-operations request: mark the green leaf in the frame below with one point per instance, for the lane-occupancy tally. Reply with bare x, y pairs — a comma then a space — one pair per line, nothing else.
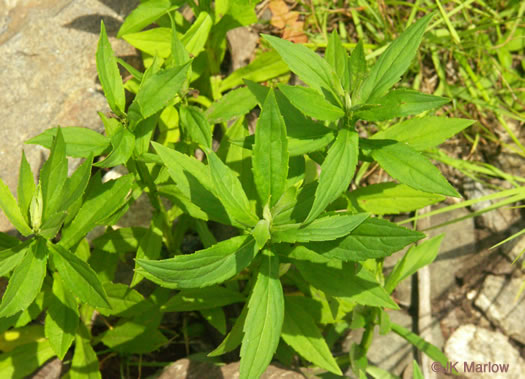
143, 132
302, 334
80, 142
230, 192
235, 103
309, 66
408, 166
399, 103
203, 268
393, 62
337, 171
12, 211
7, 242
195, 125
357, 66
270, 154
197, 35
304, 134
84, 364
62, 318
76, 185
193, 181
79, 277
263, 320
179, 54
391, 198
11, 257
417, 373
216, 317
103, 202
122, 240
424, 133
197, 299
123, 142
24, 360
311, 103
261, 233
234, 337
160, 88
325, 228
26, 281
150, 246
416, 257
26, 188
53, 176
155, 42
266, 66
133, 338
124, 301
337, 57
145, 14
109, 74
374, 238
426, 347
344, 280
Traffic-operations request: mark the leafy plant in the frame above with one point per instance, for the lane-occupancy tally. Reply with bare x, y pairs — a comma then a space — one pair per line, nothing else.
306, 258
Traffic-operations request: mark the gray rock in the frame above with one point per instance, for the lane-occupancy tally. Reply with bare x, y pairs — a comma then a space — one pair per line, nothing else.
513, 249
470, 343
242, 42
48, 72
184, 368
497, 300
497, 220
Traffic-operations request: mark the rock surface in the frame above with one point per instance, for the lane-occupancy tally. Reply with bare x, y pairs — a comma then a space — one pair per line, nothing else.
184, 368
497, 301
470, 343
48, 73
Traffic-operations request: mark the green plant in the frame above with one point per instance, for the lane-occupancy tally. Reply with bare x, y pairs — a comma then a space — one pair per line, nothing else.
307, 255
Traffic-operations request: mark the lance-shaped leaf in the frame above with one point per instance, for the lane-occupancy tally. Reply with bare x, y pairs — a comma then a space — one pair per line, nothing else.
234, 104
303, 335
79, 277
195, 125
408, 166
192, 178
26, 187
145, 14
311, 103
109, 74
357, 66
415, 258
270, 153
337, 171
53, 175
264, 319
26, 281
11, 257
391, 198
62, 318
197, 35
85, 362
160, 88
197, 299
337, 57
203, 268
75, 185
393, 62
399, 103
374, 238
80, 142
424, 133
179, 55
230, 192
10, 207
123, 142
309, 66
31, 355
234, 337
322, 229
101, 203
124, 301
344, 280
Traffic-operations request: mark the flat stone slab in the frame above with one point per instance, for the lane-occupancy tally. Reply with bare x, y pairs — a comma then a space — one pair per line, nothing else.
48, 72
497, 300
